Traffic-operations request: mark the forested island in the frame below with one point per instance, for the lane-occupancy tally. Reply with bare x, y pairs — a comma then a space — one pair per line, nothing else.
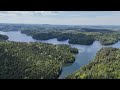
77, 37
106, 65
3, 37
33, 60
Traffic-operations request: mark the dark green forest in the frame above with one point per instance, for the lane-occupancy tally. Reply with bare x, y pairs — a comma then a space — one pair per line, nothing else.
77, 37
20, 60
106, 65
33, 60
3, 37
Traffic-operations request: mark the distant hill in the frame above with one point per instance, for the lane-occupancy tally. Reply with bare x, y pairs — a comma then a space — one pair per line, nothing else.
16, 27
95, 30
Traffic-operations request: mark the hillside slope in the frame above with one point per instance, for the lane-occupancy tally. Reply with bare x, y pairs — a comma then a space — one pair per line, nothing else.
33, 60
106, 65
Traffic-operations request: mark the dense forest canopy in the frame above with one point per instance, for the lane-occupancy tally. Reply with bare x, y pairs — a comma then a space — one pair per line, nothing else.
106, 65
3, 37
33, 60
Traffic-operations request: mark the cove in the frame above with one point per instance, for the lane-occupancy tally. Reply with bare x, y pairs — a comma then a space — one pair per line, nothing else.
85, 55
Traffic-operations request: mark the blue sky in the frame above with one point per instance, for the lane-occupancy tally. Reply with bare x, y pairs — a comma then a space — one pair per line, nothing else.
61, 17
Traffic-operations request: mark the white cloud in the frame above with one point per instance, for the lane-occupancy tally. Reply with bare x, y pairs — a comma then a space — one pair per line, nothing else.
28, 13
61, 17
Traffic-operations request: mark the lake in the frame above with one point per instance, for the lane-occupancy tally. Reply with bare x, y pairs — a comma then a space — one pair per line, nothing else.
85, 55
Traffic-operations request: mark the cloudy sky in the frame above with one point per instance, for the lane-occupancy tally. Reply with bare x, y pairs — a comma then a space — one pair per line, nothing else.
61, 17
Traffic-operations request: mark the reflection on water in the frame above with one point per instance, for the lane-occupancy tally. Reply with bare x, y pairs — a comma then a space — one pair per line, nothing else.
85, 55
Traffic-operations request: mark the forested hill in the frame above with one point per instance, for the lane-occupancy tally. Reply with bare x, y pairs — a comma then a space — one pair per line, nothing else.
106, 65
95, 30
3, 37
33, 60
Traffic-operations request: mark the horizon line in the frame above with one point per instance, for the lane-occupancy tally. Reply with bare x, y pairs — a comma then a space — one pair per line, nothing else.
61, 24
